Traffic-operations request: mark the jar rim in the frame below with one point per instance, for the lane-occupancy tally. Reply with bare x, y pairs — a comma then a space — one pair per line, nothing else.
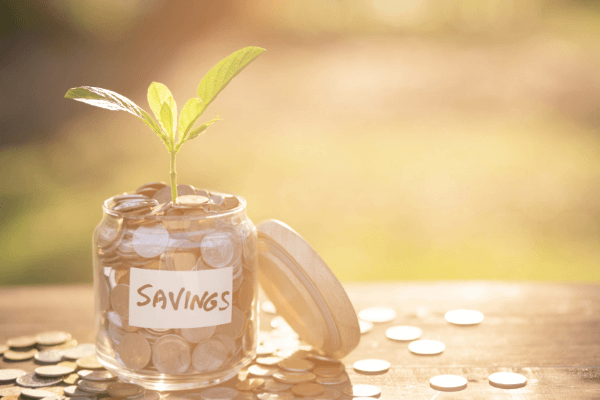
106, 208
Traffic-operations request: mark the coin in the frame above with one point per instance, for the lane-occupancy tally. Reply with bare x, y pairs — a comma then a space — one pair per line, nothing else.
333, 380
448, 383
308, 389
294, 377
73, 391
403, 333
250, 384
120, 389
93, 387
69, 364
268, 360
275, 386
19, 355
265, 349
507, 380
275, 396
365, 326
323, 358
192, 200
49, 356
11, 397
464, 317
150, 241
371, 366
32, 380
328, 372
377, 314
53, 338
52, 371
135, 352
82, 350
217, 249
3, 348
362, 390
257, 370
328, 394
119, 299
181, 261
21, 342
219, 393
296, 364
152, 185
37, 393
246, 295
426, 347
164, 195
89, 362
237, 326
209, 355
8, 375
99, 376
71, 379
10, 391
171, 354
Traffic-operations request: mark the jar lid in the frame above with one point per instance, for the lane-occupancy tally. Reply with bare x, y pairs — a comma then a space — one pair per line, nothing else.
305, 291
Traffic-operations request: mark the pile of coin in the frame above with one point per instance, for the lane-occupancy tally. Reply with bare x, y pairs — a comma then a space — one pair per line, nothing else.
201, 231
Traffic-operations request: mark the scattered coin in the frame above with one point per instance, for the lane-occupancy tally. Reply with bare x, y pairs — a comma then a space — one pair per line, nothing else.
328, 372
49, 356
89, 362
275, 396
464, 317
19, 355
365, 326
250, 384
257, 370
10, 391
328, 394
372, 366
11, 397
9, 375
296, 365
323, 358
507, 380
93, 386
101, 376
334, 380
71, 379
362, 391
69, 364
3, 348
403, 333
21, 342
294, 377
308, 389
448, 383
271, 385
37, 393
426, 347
268, 360
57, 390
73, 391
53, 371
82, 350
268, 307
52, 338
120, 389
377, 314
32, 380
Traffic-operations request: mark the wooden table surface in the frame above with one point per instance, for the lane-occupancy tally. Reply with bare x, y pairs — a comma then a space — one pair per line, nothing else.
546, 331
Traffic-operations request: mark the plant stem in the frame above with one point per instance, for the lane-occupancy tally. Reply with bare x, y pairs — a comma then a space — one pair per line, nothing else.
173, 177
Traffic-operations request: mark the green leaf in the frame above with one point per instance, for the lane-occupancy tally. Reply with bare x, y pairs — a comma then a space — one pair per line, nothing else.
221, 74
166, 117
158, 94
110, 100
189, 114
196, 132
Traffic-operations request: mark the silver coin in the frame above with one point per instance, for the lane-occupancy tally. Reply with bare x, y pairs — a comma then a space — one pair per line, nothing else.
365, 326
377, 314
3, 348
257, 370
57, 397
448, 383
219, 393
217, 249
10, 391
82, 350
8, 375
128, 390
74, 391
192, 200
171, 355
49, 356
507, 380
52, 371
403, 333
119, 299
362, 391
426, 347
37, 393
32, 380
271, 385
464, 317
150, 241
332, 380
164, 195
372, 366
197, 335
53, 338
101, 376
21, 342
93, 386
134, 351
328, 394
209, 355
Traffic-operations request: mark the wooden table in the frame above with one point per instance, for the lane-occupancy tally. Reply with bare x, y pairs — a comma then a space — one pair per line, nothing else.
548, 332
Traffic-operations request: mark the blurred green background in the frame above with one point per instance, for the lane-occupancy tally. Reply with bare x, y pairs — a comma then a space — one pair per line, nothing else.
415, 139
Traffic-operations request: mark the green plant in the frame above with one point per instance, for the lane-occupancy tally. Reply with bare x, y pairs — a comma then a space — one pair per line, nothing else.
163, 105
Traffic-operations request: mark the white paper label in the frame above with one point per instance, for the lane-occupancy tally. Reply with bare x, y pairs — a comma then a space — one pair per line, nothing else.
179, 299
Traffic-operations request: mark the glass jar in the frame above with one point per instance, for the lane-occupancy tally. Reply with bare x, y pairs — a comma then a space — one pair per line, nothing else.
175, 287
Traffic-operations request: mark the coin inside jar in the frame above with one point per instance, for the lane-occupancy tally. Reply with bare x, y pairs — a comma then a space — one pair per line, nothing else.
119, 299
171, 354
134, 351
151, 240
217, 249
209, 355
129, 390
197, 335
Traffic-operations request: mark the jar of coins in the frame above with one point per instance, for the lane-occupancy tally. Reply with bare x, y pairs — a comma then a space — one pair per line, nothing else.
176, 287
